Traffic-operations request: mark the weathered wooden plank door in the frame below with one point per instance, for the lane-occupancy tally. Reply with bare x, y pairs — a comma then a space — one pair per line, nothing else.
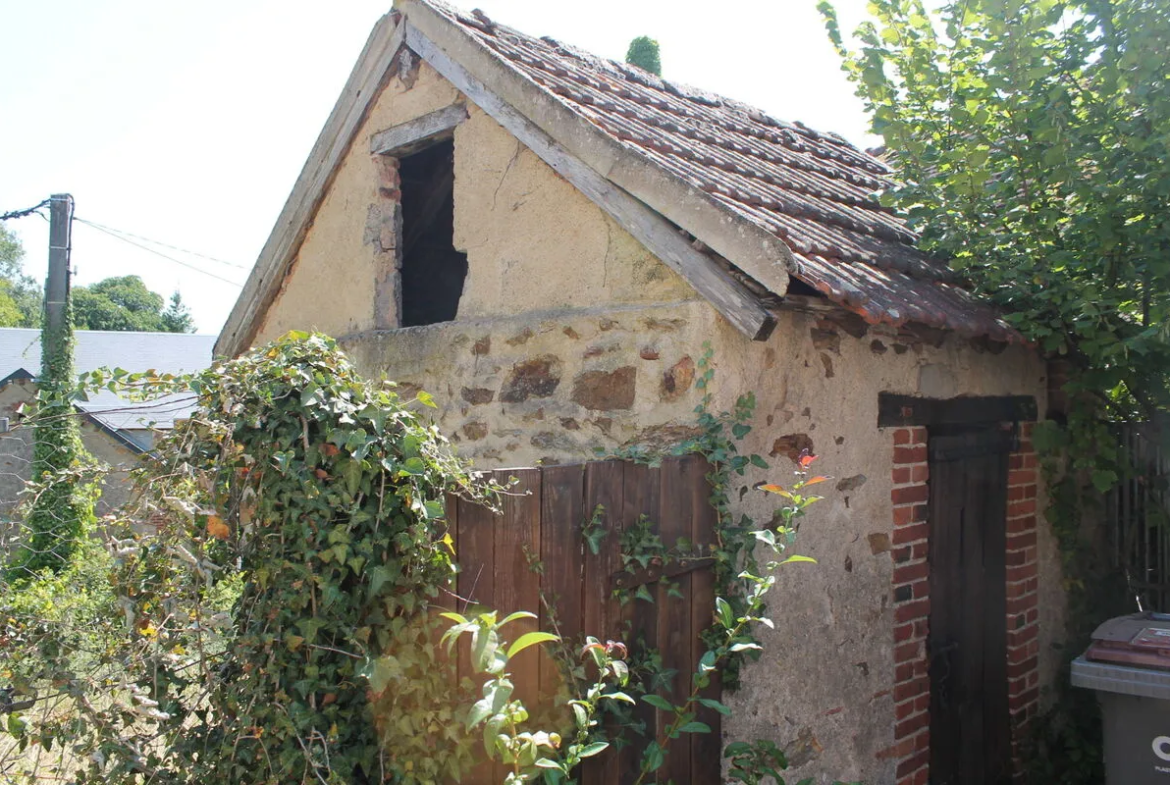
969, 730
574, 591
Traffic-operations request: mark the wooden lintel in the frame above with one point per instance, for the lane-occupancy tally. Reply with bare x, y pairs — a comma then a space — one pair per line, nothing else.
730, 297
906, 410
413, 135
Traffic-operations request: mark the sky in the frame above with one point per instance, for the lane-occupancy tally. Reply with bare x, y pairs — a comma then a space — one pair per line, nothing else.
185, 125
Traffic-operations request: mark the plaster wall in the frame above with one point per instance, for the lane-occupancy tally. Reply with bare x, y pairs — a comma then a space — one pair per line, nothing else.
524, 229
557, 386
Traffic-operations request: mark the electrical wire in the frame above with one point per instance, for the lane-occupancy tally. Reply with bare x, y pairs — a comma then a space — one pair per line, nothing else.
24, 212
115, 235
112, 230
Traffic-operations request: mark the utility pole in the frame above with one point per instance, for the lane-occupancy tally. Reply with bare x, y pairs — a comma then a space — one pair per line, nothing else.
60, 241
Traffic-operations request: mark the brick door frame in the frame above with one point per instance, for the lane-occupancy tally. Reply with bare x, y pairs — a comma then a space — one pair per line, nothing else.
911, 598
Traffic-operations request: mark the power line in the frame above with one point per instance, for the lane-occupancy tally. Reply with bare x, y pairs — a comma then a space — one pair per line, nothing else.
112, 230
148, 249
24, 212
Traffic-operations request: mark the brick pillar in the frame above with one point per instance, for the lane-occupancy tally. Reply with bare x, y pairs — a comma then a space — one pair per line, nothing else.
911, 746
1023, 645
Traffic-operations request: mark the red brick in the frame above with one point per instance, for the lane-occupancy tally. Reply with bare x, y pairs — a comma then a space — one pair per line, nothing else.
902, 436
908, 573
1022, 507
909, 513
1031, 460
1026, 429
921, 589
1020, 637
900, 555
903, 710
1019, 525
1015, 461
910, 494
920, 550
903, 672
1021, 604
918, 435
913, 764
908, 652
1021, 492
922, 776
911, 724
912, 533
920, 473
912, 610
903, 632
912, 689
1021, 477
1016, 541
904, 455
922, 740
1017, 702
901, 475
1017, 573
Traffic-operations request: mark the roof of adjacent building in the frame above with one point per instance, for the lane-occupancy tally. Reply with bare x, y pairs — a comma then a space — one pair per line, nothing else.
814, 190
767, 200
173, 353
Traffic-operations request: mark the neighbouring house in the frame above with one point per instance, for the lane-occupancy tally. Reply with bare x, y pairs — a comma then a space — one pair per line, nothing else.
547, 241
114, 430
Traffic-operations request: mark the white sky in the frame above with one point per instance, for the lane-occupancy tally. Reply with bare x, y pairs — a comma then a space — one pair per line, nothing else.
188, 122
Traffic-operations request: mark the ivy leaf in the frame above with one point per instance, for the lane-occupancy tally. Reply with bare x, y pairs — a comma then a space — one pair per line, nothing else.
695, 727
658, 702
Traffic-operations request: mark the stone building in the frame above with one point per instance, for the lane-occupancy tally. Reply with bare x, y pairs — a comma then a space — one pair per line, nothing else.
547, 241
115, 431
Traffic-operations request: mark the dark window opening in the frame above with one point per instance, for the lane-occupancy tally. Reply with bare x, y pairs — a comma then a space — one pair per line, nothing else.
432, 270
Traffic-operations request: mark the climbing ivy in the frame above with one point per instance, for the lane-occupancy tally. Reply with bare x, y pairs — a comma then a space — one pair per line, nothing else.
60, 511
317, 499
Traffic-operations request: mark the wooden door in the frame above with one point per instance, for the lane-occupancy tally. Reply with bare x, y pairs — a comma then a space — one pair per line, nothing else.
970, 737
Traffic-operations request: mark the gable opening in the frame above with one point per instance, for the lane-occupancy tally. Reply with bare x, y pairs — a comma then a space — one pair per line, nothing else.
432, 271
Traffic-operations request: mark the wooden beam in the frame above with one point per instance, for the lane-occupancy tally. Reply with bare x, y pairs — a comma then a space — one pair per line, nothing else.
906, 410
414, 135
365, 82
731, 298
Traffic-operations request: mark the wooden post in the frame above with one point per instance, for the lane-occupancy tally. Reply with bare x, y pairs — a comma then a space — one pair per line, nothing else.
60, 240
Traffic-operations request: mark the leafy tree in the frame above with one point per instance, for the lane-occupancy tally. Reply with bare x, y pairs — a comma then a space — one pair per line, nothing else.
643, 52
20, 298
177, 316
1031, 143
124, 303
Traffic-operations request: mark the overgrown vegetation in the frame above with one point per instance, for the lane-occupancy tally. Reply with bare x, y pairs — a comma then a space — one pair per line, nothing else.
61, 510
318, 496
1029, 142
643, 52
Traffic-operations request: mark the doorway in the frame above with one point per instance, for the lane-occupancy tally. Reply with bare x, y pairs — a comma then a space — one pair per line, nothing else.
970, 733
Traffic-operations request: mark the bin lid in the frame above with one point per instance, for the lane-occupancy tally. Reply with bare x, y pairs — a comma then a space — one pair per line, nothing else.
1140, 639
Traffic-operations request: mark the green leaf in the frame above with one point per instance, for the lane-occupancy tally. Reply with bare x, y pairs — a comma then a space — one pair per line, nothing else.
695, 727
529, 639
593, 749
658, 702
792, 559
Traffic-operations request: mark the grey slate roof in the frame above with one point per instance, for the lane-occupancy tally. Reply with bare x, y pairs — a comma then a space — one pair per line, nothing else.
20, 356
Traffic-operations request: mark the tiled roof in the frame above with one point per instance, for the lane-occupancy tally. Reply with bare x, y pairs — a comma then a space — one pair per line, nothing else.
813, 190
20, 349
